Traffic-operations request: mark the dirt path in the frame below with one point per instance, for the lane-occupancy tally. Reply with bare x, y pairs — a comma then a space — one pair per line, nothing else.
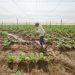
66, 60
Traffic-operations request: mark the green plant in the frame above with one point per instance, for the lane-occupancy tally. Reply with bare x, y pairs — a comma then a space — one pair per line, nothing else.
63, 44
7, 41
48, 38
73, 36
10, 58
18, 73
49, 58
41, 56
22, 57
68, 46
73, 45
3, 34
32, 57
60, 45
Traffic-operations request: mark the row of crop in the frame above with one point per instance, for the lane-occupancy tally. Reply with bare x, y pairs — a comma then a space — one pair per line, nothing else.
62, 45
16, 28
61, 42
30, 28
22, 57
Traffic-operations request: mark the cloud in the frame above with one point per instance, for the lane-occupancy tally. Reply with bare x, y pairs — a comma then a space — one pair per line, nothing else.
38, 10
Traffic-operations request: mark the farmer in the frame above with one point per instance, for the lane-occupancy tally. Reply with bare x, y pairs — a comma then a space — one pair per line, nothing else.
40, 32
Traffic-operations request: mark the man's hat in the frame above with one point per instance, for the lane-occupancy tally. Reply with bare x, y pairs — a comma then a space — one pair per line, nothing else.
37, 24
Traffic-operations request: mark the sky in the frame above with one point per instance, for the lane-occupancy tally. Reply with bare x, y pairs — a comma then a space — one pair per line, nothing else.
37, 10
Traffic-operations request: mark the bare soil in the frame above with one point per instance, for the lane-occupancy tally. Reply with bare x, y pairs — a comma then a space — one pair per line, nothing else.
55, 67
